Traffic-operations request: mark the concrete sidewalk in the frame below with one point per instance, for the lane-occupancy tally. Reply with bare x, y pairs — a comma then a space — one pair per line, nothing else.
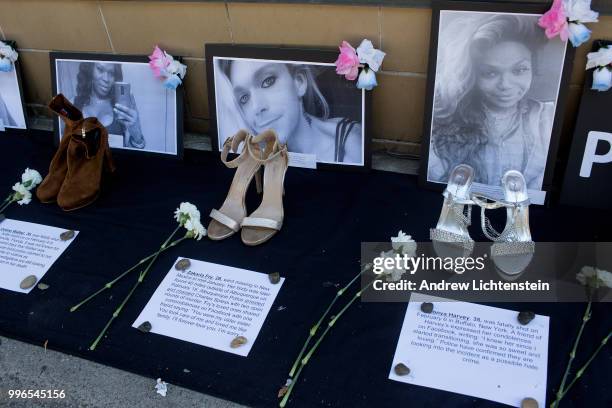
86, 384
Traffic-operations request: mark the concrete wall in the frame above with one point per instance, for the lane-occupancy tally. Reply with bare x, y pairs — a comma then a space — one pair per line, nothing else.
184, 27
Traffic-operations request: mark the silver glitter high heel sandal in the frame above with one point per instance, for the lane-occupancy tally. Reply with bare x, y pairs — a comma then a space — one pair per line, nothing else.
513, 248
451, 238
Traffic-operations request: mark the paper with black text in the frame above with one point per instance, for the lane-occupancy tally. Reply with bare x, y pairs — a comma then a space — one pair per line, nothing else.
474, 350
28, 249
211, 304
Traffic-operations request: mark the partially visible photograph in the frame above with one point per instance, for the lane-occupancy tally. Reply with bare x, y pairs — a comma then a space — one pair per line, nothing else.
312, 109
497, 82
136, 109
12, 112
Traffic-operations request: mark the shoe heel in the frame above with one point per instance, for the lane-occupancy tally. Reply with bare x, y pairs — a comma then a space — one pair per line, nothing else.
109, 165
258, 181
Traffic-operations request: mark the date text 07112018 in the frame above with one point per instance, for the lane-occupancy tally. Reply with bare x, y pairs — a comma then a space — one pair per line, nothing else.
37, 394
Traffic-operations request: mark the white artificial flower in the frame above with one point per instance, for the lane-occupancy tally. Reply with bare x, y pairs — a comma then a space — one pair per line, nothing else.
394, 274
600, 58
176, 68
404, 243
185, 212
30, 178
589, 276
195, 227
6, 51
161, 387
580, 10
369, 55
22, 194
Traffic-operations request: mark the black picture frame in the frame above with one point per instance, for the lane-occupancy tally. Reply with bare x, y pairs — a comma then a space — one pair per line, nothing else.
289, 54
17, 69
503, 8
589, 190
54, 56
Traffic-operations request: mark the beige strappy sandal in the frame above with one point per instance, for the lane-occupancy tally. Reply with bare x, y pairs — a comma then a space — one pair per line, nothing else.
227, 219
267, 219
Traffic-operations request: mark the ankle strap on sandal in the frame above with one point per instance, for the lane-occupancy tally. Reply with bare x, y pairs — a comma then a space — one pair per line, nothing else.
272, 148
232, 143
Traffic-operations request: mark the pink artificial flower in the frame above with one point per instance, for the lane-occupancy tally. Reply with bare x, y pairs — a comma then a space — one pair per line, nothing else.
158, 61
347, 63
554, 21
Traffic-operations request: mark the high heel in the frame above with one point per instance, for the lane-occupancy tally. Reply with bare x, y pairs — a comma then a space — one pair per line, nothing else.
263, 223
513, 248
227, 219
451, 238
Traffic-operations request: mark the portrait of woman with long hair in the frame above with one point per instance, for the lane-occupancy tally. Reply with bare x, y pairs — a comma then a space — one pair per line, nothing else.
260, 95
494, 103
95, 96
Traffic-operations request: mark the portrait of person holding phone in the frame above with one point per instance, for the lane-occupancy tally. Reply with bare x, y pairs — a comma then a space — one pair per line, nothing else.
101, 92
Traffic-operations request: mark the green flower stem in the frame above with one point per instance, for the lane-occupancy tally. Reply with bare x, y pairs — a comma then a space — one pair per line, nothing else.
129, 295
110, 284
315, 328
10, 200
561, 390
579, 373
331, 323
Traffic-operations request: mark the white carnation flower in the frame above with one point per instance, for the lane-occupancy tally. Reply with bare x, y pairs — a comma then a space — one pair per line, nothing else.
394, 274
185, 212
404, 244
30, 178
590, 276
195, 228
22, 194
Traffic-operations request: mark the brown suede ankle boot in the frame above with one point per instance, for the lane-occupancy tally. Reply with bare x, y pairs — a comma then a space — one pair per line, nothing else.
88, 155
50, 187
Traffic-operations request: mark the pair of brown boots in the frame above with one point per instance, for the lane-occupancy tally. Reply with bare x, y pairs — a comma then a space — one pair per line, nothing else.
76, 169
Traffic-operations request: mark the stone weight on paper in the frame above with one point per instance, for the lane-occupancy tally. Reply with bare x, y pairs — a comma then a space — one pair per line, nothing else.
401, 369
28, 282
525, 317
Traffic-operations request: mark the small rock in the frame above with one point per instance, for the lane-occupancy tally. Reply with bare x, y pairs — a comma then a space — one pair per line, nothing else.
28, 282
186, 371
182, 264
145, 327
274, 277
529, 403
238, 341
42, 286
66, 235
525, 317
426, 307
329, 284
401, 369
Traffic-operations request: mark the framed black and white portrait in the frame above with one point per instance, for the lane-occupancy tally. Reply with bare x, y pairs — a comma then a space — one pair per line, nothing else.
139, 113
12, 106
322, 117
495, 96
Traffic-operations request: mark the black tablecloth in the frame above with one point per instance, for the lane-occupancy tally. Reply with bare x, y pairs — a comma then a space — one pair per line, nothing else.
327, 215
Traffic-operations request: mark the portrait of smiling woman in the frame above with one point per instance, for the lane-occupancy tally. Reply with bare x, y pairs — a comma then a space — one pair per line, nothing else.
139, 113
96, 96
292, 99
496, 86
